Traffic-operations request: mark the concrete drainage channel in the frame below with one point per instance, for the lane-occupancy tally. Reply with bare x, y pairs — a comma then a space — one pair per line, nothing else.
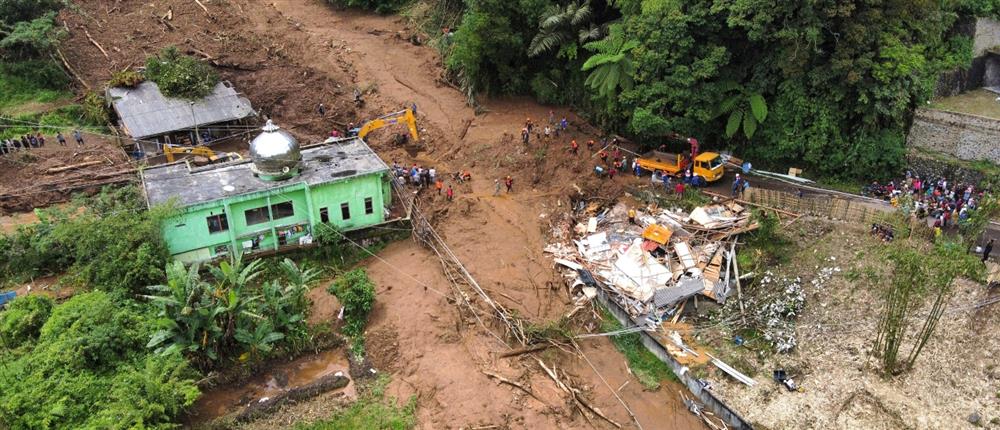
706, 397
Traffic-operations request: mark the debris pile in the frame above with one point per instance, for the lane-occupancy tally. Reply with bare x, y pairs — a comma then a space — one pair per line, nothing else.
773, 309
651, 261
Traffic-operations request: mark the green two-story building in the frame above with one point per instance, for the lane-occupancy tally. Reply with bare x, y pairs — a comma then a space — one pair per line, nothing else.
273, 201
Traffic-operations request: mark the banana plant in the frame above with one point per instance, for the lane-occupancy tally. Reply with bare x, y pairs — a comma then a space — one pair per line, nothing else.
258, 341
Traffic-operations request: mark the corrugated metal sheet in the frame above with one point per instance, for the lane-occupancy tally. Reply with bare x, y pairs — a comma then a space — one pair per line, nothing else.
145, 112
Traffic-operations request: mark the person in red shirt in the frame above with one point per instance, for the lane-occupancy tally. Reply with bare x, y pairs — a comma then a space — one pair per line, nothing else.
604, 156
450, 193
574, 147
590, 145
612, 172
679, 188
509, 183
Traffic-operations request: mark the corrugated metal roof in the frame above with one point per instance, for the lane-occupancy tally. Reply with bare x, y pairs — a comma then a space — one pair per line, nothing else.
325, 162
145, 112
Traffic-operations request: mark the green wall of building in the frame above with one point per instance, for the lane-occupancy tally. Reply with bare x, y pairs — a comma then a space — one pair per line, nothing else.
188, 237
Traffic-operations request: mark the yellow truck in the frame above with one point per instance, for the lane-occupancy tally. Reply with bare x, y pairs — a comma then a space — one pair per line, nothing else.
708, 165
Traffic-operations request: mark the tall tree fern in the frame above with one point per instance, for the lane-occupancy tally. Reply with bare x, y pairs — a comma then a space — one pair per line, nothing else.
611, 65
564, 27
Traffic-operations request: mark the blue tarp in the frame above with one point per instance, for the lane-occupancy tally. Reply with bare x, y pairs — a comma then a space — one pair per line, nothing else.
6, 297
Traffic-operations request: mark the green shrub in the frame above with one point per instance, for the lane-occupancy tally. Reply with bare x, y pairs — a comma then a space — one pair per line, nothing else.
23, 319
379, 6
181, 76
356, 293
108, 241
39, 81
125, 78
90, 369
95, 108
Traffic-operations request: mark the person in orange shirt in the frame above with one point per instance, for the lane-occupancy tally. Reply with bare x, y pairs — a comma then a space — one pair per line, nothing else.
574, 147
439, 185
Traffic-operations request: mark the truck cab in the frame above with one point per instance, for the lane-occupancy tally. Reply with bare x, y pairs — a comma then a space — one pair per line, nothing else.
708, 165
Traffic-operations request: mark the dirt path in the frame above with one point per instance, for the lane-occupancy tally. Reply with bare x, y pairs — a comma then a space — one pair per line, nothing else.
498, 237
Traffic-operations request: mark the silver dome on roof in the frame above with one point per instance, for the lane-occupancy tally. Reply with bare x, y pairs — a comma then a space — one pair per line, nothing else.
275, 153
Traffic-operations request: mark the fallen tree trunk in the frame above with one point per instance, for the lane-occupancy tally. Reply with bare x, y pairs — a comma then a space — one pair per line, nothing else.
73, 166
260, 407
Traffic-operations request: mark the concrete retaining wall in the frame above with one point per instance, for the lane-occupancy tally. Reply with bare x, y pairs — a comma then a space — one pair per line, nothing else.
706, 397
985, 68
967, 137
987, 36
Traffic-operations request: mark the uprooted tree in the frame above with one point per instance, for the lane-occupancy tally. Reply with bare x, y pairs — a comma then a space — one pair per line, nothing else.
916, 276
179, 75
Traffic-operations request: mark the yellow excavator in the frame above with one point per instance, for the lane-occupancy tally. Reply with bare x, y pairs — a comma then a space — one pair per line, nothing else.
404, 116
170, 151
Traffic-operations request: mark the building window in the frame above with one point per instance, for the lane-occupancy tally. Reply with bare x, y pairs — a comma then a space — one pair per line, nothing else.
221, 250
282, 210
345, 211
324, 215
217, 223
369, 207
256, 215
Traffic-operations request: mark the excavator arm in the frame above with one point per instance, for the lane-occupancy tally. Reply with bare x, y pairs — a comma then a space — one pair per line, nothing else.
169, 151
403, 116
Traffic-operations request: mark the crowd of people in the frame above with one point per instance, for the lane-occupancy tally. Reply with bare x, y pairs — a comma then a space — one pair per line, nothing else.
421, 177
34, 140
946, 202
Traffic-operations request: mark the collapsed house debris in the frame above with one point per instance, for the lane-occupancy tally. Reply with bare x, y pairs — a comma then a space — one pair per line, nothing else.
651, 266
664, 258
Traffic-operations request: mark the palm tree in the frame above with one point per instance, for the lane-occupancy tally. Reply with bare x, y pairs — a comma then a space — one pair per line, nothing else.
745, 108
611, 66
570, 24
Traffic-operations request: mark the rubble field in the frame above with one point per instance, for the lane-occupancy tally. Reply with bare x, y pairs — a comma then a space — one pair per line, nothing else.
956, 380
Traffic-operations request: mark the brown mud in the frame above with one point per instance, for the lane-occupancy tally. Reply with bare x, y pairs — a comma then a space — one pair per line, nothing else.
287, 57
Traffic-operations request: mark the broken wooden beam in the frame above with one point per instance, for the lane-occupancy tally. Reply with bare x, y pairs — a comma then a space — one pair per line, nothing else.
527, 350
203, 7
94, 42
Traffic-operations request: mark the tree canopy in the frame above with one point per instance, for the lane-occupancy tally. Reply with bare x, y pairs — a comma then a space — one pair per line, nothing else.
828, 84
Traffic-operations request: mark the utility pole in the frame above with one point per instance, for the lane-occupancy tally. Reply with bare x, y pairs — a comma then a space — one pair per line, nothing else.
197, 135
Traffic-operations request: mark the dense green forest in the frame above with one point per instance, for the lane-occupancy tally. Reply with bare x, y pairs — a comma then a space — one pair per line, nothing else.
829, 84
126, 350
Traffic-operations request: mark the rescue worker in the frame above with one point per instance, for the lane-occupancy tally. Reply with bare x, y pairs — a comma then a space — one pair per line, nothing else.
575, 148
509, 183
450, 193
631, 216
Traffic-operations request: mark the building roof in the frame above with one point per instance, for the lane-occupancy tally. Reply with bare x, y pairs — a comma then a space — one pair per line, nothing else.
145, 112
321, 163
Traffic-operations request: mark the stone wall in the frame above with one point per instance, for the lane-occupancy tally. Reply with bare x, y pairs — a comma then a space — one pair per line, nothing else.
985, 68
987, 36
933, 168
967, 137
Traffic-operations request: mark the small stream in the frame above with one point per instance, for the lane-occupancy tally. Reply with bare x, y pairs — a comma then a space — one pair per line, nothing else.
225, 399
